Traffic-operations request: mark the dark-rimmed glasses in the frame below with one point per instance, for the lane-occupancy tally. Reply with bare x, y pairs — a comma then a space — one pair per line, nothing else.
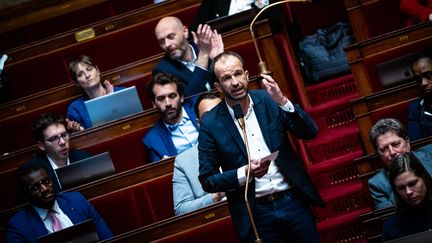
35, 187
56, 138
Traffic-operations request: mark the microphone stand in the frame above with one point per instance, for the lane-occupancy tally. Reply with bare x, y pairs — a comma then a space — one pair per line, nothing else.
261, 64
238, 113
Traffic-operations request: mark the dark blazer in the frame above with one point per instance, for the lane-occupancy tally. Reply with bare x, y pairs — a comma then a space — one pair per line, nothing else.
74, 156
419, 123
195, 82
220, 145
158, 140
26, 225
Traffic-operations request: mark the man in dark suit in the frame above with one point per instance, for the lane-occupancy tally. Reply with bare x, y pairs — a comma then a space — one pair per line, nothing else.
52, 137
280, 190
188, 60
177, 130
48, 212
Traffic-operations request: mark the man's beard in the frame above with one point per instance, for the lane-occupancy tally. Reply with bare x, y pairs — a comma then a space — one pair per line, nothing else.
173, 116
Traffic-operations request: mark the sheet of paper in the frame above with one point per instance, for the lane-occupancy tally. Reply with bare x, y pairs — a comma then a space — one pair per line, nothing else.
270, 157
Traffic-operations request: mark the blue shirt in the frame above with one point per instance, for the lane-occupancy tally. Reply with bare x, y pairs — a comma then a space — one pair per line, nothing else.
184, 134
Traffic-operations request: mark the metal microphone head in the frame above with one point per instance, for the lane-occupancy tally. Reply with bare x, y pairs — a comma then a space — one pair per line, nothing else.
238, 114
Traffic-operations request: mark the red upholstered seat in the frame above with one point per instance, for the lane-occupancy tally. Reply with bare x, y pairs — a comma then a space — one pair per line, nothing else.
109, 51
16, 131
121, 6
290, 65
127, 151
10, 189
68, 21
159, 194
249, 56
398, 111
379, 23
120, 210
37, 74
324, 12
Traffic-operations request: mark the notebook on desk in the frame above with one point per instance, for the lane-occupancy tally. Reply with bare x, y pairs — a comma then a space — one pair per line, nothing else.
113, 106
395, 71
86, 170
84, 232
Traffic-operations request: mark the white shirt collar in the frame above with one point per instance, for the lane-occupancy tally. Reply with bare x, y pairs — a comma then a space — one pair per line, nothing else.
231, 111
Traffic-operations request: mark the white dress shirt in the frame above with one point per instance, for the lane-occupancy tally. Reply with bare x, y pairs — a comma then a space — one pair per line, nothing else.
273, 181
63, 218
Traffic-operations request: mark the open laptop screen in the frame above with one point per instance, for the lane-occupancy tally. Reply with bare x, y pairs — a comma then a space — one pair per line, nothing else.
86, 170
395, 71
113, 106
84, 232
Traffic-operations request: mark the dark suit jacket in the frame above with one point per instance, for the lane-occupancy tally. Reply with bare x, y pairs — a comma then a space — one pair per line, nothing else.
194, 81
26, 225
158, 140
220, 144
74, 156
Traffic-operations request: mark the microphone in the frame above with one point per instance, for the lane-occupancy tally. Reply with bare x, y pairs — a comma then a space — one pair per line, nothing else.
238, 114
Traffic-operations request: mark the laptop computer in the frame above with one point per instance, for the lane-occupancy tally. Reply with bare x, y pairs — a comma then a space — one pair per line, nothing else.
395, 71
231, 22
85, 170
422, 237
84, 232
113, 106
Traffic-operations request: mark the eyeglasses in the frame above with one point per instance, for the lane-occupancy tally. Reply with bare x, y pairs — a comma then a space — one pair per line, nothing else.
56, 138
35, 187
419, 77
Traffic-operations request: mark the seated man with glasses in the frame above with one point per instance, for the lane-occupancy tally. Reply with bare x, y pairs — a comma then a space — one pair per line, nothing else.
420, 110
48, 211
52, 138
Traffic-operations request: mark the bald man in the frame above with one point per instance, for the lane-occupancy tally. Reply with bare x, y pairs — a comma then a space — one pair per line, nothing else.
188, 60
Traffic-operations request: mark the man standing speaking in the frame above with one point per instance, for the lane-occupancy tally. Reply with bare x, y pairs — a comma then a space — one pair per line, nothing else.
280, 191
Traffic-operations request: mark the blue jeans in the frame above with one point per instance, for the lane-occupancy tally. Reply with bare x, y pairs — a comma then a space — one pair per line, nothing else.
287, 218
